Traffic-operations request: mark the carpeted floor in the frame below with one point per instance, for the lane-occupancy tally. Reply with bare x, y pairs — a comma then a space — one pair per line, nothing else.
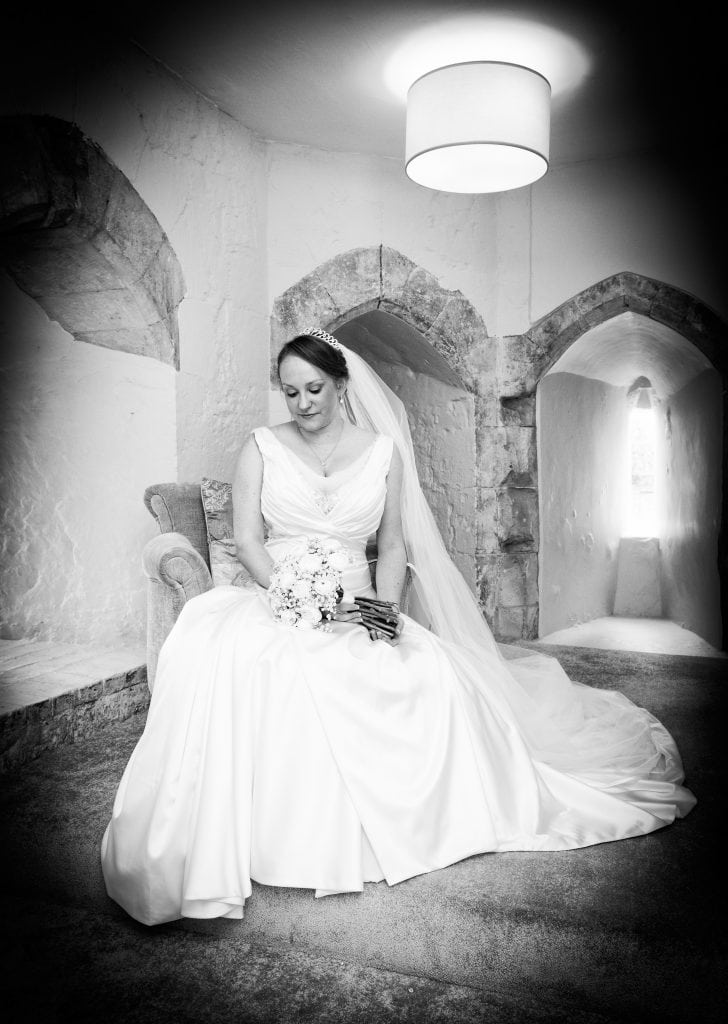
623, 932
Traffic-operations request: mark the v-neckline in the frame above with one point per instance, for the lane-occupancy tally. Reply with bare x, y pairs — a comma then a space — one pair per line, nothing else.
319, 476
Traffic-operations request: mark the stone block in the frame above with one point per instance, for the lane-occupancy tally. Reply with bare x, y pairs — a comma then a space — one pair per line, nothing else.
352, 280
486, 539
12, 724
306, 303
506, 456
517, 580
517, 518
530, 623
671, 306
50, 271
518, 410
516, 371
395, 270
486, 581
87, 312
638, 578
481, 362
151, 340
458, 329
94, 187
136, 233
424, 298
508, 624
163, 282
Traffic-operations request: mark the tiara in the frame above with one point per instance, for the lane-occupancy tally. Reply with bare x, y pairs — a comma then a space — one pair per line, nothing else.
316, 332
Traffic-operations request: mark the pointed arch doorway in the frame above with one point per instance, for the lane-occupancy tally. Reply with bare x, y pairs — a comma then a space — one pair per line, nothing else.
644, 331
417, 335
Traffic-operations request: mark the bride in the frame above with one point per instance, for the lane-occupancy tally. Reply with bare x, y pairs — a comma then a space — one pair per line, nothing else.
323, 758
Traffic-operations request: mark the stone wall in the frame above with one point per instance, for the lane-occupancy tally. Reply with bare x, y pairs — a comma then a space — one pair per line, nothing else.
441, 421
84, 430
502, 375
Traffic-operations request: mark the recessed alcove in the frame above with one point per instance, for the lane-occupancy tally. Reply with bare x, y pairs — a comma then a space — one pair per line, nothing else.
583, 407
89, 291
78, 239
441, 415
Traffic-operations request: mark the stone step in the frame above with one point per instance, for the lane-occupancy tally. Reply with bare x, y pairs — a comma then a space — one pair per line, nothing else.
54, 693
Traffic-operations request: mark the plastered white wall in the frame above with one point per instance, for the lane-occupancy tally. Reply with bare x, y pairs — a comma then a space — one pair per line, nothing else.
516, 255
690, 488
322, 204
582, 451
84, 430
203, 176
595, 219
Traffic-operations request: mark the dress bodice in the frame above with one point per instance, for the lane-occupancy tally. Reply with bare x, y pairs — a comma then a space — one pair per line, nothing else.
296, 501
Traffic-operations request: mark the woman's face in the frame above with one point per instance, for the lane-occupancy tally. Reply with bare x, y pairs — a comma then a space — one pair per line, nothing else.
311, 395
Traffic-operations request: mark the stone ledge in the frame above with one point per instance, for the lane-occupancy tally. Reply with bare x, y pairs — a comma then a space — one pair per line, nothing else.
51, 694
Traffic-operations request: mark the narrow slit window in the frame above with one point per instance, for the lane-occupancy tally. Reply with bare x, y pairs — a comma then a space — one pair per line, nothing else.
642, 519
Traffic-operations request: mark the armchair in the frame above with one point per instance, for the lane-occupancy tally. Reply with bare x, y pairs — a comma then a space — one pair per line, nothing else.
176, 563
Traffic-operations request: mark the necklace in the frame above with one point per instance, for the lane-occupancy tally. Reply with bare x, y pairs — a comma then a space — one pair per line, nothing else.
315, 448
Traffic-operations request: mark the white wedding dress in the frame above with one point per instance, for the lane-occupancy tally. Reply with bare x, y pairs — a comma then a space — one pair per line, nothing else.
324, 760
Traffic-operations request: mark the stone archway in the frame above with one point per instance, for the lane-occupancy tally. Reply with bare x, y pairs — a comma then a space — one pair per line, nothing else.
548, 339
502, 374
378, 277
77, 238
544, 344
378, 280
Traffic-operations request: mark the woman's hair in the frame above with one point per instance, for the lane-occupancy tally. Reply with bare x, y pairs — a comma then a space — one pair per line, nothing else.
318, 353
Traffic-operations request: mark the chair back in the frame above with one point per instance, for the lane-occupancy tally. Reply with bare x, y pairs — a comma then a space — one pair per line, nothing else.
177, 508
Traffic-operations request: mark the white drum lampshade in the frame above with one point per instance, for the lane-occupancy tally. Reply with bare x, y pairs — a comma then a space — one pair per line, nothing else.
479, 126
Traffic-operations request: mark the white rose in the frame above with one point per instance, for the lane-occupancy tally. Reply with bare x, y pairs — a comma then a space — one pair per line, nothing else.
310, 616
285, 579
310, 563
325, 586
300, 589
339, 560
288, 618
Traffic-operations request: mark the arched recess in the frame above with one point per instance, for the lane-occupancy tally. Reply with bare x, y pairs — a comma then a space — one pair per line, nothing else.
397, 314
77, 238
648, 300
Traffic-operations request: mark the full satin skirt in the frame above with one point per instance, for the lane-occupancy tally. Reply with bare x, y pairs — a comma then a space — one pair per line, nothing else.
323, 760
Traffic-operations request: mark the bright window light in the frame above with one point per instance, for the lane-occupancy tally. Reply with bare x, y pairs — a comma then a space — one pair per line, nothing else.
641, 517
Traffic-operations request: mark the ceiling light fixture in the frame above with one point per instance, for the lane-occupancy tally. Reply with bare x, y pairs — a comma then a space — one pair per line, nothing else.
478, 126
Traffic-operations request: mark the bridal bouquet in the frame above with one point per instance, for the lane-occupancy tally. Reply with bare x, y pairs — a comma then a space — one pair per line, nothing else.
305, 585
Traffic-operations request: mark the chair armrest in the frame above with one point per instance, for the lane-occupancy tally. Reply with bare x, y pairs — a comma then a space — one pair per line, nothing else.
175, 572
171, 559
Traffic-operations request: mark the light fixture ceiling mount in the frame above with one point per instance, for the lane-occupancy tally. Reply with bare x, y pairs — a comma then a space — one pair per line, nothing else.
478, 126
